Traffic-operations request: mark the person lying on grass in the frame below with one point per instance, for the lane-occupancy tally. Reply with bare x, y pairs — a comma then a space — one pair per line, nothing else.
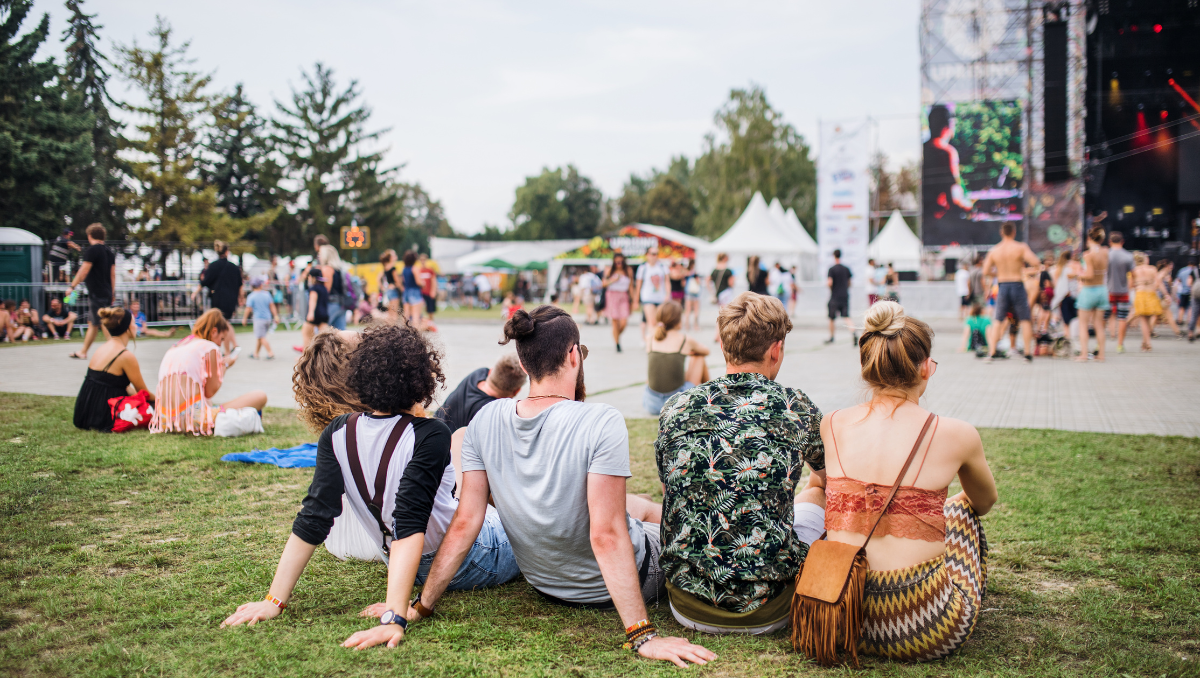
406, 503
556, 468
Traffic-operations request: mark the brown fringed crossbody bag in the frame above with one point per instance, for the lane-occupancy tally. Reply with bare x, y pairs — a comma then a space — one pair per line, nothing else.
827, 606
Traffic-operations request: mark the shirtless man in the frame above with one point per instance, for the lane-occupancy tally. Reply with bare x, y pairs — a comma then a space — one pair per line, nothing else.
1009, 259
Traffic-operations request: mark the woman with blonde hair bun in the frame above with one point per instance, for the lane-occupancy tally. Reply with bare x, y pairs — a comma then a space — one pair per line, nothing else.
928, 555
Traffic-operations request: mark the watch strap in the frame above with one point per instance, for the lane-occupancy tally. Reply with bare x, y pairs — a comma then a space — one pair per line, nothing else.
425, 612
276, 602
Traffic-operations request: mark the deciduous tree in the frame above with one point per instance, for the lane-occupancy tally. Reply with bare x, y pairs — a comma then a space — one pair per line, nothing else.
753, 149
558, 203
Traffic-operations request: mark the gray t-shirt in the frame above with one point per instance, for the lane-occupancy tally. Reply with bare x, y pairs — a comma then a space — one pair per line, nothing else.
537, 469
1120, 263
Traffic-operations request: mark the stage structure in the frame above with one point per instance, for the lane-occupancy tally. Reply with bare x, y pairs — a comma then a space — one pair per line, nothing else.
994, 151
1143, 122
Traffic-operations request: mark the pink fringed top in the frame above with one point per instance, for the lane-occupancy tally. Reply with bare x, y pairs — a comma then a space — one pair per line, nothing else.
180, 404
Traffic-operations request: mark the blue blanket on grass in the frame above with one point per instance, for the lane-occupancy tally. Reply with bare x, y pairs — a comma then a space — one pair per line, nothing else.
300, 456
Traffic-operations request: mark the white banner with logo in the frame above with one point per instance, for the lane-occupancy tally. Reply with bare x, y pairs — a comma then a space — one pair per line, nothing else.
844, 196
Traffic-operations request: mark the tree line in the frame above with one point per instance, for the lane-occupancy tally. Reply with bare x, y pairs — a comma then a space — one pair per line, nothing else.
181, 162
751, 149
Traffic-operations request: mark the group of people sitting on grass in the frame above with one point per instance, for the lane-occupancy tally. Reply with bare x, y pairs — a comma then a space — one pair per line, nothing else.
189, 377
542, 491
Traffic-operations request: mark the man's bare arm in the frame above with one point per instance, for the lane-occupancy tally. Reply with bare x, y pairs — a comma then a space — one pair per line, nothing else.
614, 554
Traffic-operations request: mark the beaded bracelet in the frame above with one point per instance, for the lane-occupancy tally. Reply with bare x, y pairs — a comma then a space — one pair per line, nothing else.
637, 644
638, 634
276, 602
637, 626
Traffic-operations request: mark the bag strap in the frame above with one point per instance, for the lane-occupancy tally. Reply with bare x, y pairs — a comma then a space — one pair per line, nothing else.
899, 478
374, 501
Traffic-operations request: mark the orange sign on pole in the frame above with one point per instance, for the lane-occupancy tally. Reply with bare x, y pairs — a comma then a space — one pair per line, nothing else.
356, 238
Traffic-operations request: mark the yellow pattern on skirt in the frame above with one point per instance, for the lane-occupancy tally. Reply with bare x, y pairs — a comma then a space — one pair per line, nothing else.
1146, 303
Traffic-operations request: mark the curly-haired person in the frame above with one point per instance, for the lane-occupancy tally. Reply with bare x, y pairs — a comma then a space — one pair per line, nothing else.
394, 467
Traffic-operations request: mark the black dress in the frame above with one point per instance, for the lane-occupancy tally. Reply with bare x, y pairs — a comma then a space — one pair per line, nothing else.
320, 311
91, 405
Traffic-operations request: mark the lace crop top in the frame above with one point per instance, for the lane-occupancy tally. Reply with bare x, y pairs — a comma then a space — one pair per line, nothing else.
915, 513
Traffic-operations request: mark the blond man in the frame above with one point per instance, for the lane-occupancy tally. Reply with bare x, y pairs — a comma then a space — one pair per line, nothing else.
730, 454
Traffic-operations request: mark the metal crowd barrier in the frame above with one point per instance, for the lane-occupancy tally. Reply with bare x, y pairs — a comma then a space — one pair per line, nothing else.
165, 303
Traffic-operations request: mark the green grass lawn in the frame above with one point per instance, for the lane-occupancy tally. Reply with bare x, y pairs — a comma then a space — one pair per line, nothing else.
121, 554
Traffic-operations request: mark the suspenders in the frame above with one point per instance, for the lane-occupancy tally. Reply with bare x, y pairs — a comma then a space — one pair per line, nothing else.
374, 501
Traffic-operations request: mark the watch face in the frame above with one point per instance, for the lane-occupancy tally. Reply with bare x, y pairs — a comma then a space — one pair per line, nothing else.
388, 617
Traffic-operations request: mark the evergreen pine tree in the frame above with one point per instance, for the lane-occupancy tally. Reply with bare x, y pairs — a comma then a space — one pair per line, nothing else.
174, 204
324, 138
98, 180
43, 135
237, 148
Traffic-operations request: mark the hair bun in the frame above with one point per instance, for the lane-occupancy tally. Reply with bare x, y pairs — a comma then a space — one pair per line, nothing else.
520, 325
885, 317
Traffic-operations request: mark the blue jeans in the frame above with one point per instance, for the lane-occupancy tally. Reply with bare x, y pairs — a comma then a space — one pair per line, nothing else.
489, 563
654, 401
337, 315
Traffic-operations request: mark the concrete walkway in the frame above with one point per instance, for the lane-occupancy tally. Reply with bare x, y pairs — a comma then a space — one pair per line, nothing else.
1138, 393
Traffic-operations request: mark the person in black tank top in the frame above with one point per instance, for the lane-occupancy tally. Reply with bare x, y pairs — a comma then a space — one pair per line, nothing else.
113, 379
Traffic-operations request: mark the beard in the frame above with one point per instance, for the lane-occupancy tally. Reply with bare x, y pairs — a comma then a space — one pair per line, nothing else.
580, 389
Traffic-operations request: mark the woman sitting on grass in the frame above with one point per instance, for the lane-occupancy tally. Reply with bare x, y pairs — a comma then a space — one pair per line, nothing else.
928, 556
675, 361
189, 377
113, 372
394, 372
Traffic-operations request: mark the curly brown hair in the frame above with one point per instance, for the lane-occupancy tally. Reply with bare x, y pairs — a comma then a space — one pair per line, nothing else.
319, 382
394, 368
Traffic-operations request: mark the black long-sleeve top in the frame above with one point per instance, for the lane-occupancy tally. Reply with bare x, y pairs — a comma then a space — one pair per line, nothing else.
414, 496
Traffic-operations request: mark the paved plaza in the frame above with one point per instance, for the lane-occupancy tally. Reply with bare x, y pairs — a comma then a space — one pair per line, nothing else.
1139, 393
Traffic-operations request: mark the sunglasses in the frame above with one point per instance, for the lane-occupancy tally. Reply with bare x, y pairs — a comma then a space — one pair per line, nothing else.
583, 352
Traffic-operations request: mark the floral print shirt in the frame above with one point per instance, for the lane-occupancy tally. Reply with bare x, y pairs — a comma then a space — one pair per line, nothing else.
730, 453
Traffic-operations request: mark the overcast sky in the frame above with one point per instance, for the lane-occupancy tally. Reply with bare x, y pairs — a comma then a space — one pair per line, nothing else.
481, 94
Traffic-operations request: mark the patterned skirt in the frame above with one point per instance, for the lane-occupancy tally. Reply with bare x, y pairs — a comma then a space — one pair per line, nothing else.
928, 611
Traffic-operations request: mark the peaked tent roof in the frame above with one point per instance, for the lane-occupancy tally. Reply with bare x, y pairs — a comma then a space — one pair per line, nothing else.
800, 232
758, 231
897, 244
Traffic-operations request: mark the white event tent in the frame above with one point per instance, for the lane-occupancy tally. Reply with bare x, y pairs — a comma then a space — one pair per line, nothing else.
771, 236
896, 244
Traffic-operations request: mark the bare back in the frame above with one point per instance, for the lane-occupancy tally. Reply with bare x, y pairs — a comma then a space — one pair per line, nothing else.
871, 447
1096, 261
1009, 259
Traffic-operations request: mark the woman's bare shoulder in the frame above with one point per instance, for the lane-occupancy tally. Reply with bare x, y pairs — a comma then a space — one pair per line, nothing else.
958, 434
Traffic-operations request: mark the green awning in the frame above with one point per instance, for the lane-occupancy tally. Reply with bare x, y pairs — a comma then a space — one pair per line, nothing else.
498, 263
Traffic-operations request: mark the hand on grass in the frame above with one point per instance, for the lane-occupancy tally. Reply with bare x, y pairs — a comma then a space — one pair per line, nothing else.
678, 650
376, 610
252, 613
391, 634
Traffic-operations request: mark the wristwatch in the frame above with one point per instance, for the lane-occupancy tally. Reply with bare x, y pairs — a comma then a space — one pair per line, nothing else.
390, 617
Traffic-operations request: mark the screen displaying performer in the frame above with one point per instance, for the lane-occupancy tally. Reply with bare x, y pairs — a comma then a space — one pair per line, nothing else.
972, 172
